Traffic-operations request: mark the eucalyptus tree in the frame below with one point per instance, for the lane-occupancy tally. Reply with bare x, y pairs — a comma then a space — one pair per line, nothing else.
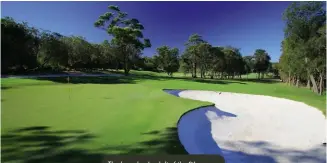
126, 34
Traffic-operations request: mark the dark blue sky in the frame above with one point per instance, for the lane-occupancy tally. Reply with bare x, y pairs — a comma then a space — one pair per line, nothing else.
246, 25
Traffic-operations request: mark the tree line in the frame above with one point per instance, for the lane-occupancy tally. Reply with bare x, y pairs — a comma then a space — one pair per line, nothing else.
303, 59
28, 49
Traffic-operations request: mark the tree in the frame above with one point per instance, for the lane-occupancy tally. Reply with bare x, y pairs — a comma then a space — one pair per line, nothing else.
126, 32
192, 48
204, 54
52, 51
216, 61
150, 64
248, 64
318, 45
233, 60
274, 69
78, 51
305, 24
186, 63
20, 44
168, 59
261, 62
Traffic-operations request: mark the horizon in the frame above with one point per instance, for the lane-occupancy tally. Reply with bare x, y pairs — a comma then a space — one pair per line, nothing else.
245, 25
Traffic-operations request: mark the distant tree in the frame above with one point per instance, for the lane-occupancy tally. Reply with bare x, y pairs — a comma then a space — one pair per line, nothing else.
216, 61
204, 54
192, 48
53, 52
261, 63
234, 61
274, 69
248, 64
168, 59
127, 35
186, 63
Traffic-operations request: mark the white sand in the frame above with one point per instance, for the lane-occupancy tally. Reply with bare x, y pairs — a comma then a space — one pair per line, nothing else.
265, 129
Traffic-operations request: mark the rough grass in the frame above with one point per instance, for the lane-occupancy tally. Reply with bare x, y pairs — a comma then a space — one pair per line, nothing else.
51, 120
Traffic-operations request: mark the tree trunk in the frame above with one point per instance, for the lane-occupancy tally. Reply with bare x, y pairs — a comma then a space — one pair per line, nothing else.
289, 78
294, 80
117, 66
202, 72
312, 79
297, 82
320, 84
126, 66
126, 69
308, 83
314, 84
194, 70
258, 75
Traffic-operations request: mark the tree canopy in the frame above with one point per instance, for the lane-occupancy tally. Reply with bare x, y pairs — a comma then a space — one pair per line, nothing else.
303, 56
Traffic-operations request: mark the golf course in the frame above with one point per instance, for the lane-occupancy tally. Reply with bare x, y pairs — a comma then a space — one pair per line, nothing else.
244, 82
49, 119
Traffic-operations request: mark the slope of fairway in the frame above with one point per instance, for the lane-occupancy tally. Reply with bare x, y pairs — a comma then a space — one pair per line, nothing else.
48, 120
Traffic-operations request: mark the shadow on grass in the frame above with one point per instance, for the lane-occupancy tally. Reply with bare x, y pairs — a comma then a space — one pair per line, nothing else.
5, 87
267, 81
163, 142
39, 144
199, 80
113, 78
216, 81
90, 80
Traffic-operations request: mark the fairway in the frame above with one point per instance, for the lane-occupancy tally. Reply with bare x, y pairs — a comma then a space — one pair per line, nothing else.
244, 82
48, 119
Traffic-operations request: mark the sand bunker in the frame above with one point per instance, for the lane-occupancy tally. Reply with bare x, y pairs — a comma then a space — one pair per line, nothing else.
253, 128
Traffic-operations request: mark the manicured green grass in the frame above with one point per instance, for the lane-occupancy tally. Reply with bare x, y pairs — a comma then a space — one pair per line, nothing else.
92, 116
